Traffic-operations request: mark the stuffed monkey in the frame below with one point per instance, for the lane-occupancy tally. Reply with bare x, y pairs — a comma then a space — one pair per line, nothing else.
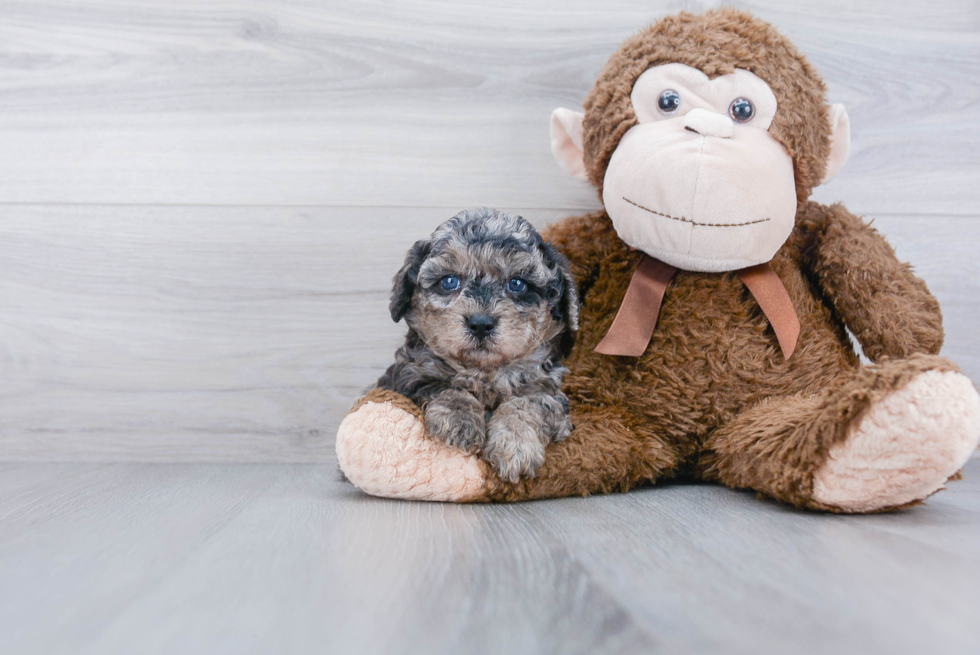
715, 302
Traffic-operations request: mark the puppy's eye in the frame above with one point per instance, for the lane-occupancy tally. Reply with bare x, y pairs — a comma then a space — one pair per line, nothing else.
517, 285
449, 283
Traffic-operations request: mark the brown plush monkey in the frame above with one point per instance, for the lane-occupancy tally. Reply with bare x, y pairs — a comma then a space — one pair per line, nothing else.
715, 299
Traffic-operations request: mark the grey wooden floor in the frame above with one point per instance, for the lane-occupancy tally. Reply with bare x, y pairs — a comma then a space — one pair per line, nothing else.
285, 558
201, 206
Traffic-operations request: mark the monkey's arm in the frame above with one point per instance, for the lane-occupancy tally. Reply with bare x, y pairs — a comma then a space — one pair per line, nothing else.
582, 239
889, 309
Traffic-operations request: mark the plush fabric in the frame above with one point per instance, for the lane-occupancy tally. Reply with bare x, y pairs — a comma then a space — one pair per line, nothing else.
712, 398
681, 207
840, 142
382, 448
717, 43
566, 142
900, 451
698, 91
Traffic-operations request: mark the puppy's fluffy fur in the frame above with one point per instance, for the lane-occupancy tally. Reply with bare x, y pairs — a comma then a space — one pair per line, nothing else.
491, 310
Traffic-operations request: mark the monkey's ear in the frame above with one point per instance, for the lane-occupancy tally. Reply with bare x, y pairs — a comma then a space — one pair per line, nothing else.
566, 142
406, 280
840, 141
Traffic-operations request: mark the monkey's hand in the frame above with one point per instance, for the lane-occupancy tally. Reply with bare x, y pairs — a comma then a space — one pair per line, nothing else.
518, 432
889, 309
457, 418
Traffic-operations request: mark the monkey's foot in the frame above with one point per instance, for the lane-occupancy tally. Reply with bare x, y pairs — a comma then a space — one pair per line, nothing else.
383, 449
905, 447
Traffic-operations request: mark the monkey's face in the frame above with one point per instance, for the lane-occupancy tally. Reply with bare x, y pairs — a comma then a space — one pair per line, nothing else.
695, 162
699, 182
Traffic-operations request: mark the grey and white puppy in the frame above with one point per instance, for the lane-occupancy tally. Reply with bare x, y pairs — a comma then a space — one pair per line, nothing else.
491, 310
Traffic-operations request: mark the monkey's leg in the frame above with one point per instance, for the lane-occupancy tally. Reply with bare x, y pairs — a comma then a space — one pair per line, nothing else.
383, 449
606, 451
878, 438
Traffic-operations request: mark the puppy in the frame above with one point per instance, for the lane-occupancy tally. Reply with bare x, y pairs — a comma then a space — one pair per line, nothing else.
491, 310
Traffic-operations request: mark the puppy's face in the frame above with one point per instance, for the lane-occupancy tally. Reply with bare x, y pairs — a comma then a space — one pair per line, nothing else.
486, 290
483, 305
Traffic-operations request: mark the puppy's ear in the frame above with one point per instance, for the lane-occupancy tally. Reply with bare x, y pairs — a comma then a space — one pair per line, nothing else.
566, 306
406, 280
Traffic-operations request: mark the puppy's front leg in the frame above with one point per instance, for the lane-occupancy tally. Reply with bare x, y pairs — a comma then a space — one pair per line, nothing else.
456, 417
518, 432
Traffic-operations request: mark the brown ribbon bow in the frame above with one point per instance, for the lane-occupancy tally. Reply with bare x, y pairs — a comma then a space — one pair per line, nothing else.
633, 326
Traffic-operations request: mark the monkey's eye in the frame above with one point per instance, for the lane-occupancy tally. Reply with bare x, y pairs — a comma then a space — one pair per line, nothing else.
669, 101
449, 283
741, 110
517, 285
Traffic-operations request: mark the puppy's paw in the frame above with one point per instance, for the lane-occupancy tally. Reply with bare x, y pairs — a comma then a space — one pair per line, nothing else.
514, 447
563, 428
469, 433
514, 451
457, 419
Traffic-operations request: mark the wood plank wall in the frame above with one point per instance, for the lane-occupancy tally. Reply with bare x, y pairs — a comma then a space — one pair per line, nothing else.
202, 202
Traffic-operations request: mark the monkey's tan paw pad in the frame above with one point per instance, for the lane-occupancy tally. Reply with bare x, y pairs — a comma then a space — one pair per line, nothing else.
383, 450
905, 448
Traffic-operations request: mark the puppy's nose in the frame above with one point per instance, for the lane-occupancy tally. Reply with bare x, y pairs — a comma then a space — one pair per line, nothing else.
481, 325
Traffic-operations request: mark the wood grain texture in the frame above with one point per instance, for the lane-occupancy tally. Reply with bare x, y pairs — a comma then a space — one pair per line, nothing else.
280, 559
244, 334
428, 103
820, 584
235, 558
201, 208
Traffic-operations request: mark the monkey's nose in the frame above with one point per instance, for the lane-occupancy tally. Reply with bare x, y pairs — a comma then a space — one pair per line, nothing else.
481, 325
708, 123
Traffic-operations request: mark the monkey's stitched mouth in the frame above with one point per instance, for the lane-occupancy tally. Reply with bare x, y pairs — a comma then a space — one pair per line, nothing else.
687, 220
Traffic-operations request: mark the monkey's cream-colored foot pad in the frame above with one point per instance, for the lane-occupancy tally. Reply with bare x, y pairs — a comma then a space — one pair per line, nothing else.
383, 450
905, 448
